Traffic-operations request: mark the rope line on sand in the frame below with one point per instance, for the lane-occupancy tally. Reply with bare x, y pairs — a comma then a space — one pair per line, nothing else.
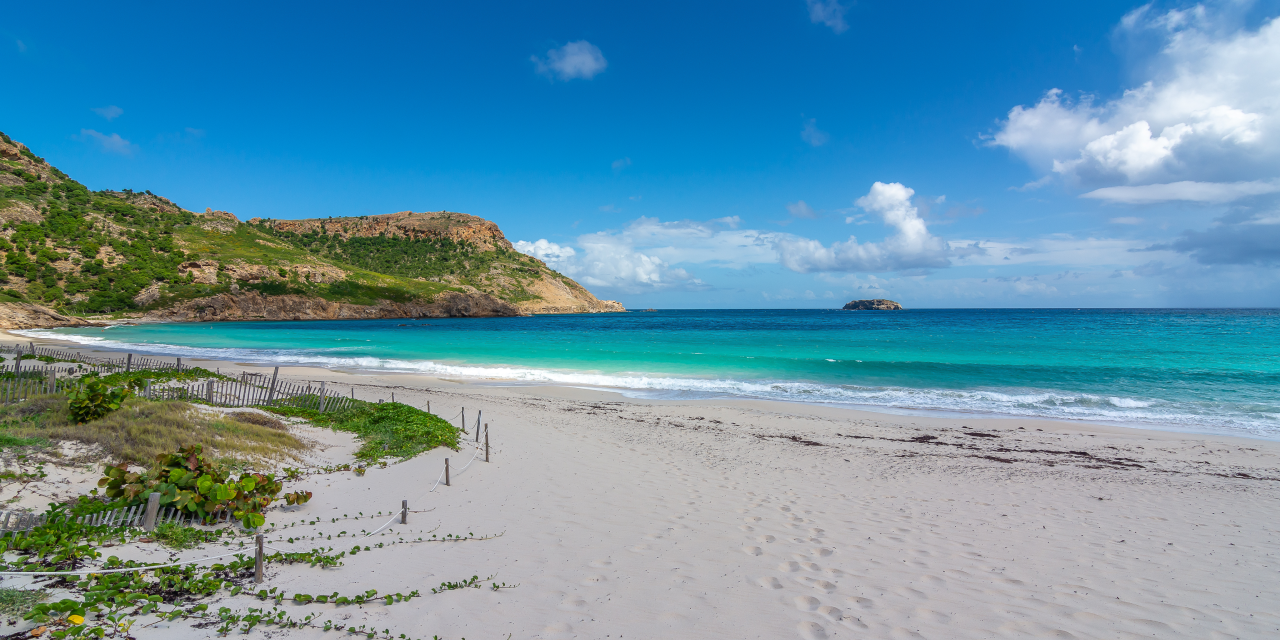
433, 488
86, 572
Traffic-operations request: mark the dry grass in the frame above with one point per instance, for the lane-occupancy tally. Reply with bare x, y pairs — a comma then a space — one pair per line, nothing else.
260, 419
140, 430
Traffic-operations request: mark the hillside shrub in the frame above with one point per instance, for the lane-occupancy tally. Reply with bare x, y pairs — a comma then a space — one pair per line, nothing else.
95, 400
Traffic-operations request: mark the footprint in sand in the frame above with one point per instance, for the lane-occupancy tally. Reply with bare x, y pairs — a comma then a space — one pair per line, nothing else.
812, 631
752, 519
766, 538
821, 585
822, 552
592, 580
831, 613
601, 563
572, 604
769, 583
752, 551
806, 603
812, 566
789, 566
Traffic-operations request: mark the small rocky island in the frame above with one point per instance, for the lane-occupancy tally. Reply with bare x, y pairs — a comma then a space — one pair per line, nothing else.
873, 305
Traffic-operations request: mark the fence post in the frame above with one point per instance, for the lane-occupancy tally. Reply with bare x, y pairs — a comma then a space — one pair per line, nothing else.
147, 390
478, 415
271, 393
208, 392
53, 380
257, 561
446, 472
464, 419
128, 362
153, 507
17, 360
486, 442
404, 511
179, 365
321, 397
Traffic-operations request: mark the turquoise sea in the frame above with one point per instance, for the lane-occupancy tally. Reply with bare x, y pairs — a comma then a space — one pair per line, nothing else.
1189, 370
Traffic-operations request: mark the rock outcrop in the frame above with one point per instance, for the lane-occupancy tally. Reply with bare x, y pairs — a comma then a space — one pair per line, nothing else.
873, 305
564, 296
251, 305
459, 227
24, 315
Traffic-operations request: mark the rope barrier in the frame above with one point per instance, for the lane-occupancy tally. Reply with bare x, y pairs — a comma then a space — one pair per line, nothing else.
433, 488
86, 572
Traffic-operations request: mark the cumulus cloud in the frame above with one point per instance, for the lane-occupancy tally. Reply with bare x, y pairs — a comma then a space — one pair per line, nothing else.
110, 112
1207, 113
110, 143
812, 134
801, 209
911, 247
828, 12
578, 59
1210, 192
548, 252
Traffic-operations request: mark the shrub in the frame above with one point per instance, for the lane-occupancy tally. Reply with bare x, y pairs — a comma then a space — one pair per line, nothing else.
95, 400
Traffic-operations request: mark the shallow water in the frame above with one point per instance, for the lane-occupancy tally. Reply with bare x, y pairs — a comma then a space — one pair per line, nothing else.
1200, 370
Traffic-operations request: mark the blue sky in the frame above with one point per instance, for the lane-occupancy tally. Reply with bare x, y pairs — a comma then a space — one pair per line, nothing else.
786, 154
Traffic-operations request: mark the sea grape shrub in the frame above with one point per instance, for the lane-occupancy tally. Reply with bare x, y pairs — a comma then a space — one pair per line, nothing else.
192, 483
94, 400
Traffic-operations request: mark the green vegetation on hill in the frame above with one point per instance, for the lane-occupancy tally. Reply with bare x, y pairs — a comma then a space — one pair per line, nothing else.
86, 252
428, 258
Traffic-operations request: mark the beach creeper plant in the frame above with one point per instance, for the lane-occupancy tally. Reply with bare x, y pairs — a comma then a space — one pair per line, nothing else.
192, 483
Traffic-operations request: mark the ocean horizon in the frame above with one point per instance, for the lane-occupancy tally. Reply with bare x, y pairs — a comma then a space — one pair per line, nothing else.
1197, 370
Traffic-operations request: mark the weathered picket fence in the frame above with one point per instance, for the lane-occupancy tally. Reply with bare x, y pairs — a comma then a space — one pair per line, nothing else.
25, 356
15, 522
252, 389
239, 393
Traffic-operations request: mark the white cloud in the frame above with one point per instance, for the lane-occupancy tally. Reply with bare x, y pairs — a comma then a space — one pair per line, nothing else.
1125, 220
548, 252
110, 143
620, 164
801, 209
1210, 192
578, 59
812, 134
110, 112
22, 46
912, 247
828, 12
608, 208
1207, 113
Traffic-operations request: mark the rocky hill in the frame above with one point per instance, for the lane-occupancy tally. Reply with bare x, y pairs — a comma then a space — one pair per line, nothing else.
878, 304
77, 253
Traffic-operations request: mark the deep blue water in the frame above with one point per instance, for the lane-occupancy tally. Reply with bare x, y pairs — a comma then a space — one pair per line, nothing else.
1199, 370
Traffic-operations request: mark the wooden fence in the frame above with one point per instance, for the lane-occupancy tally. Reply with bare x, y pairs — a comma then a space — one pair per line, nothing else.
15, 522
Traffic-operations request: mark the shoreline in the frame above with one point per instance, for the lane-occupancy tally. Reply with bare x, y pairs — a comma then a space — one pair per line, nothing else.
743, 518
642, 395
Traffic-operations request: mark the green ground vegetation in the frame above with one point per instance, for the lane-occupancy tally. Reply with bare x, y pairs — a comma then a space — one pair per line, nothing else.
387, 430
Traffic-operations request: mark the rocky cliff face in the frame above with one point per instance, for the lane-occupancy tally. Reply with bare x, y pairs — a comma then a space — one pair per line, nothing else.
559, 296
23, 315
251, 305
459, 227
878, 304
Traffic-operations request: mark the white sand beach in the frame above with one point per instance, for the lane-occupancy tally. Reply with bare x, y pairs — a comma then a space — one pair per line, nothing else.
626, 518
